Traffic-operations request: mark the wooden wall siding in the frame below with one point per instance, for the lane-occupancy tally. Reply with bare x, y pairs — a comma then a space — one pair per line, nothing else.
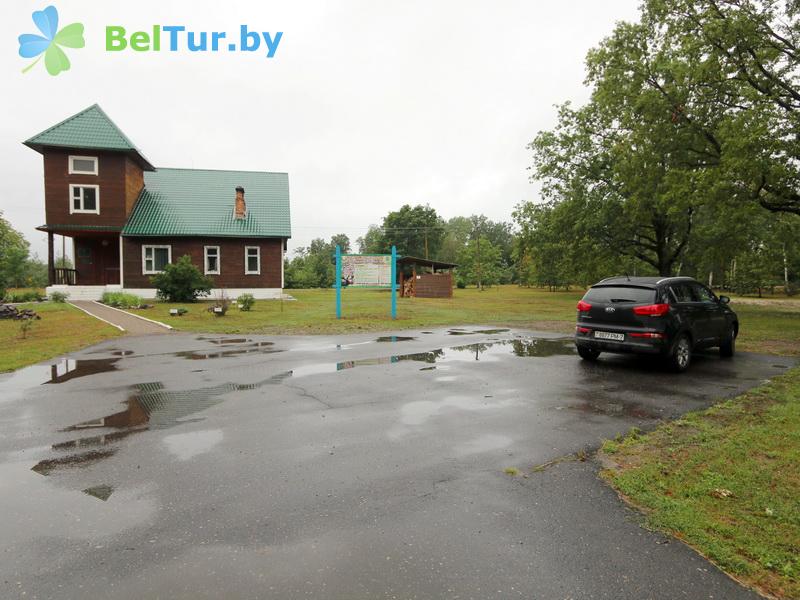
118, 177
134, 182
429, 285
231, 260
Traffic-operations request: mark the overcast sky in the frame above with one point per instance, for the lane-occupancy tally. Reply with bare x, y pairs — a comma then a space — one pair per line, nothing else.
367, 105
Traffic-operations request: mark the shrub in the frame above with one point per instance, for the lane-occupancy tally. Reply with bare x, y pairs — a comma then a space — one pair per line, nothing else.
59, 297
246, 301
24, 327
181, 282
121, 300
221, 305
23, 296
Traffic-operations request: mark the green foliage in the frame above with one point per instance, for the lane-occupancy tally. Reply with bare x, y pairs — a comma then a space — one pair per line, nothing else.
181, 282
121, 300
411, 229
24, 327
460, 232
59, 297
480, 263
23, 295
314, 266
246, 301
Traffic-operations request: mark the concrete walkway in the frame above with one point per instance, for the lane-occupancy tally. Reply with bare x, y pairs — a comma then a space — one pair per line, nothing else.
129, 323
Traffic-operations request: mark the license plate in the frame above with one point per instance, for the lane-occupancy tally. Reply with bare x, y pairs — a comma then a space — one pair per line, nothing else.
607, 335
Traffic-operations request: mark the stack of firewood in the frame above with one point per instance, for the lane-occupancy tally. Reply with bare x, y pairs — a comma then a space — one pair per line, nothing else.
12, 312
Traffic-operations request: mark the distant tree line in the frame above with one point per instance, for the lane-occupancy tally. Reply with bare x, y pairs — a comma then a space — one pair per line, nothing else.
17, 267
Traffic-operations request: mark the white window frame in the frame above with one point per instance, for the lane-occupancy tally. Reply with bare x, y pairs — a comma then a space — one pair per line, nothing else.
258, 257
73, 210
144, 258
73, 171
205, 260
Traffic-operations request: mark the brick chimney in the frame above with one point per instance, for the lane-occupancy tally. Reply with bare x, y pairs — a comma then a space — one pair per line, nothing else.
240, 208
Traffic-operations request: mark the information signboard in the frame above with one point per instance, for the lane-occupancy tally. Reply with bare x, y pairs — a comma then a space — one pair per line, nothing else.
367, 270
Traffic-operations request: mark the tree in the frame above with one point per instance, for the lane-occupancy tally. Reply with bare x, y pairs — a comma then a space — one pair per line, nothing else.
480, 263
13, 256
314, 266
181, 282
415, 231
372, 241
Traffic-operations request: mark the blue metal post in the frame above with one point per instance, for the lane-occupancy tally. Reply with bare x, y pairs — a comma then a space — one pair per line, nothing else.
338, 282
394, 282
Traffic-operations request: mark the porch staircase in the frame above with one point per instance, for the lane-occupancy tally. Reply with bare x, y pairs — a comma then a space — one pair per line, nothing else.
83, 292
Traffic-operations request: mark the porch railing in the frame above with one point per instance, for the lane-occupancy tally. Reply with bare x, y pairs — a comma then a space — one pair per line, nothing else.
63, 276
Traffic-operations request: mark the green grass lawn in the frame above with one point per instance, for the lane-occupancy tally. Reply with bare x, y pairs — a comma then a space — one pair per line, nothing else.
61, 329
726, 481
314, 311
772, 327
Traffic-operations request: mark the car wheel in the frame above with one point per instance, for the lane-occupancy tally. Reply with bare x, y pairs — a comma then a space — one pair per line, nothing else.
728, 347
681, 354
588, 353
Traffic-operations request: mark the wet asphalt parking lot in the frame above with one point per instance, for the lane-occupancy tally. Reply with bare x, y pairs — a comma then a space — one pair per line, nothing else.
204, 466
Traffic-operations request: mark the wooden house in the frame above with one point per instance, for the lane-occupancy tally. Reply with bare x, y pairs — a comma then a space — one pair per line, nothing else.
127, 219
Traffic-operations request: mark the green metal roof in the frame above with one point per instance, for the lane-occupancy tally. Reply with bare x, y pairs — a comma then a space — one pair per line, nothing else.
91, 129
189, 202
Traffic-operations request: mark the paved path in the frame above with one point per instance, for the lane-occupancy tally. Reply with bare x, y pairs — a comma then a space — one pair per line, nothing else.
131, 324
194, 467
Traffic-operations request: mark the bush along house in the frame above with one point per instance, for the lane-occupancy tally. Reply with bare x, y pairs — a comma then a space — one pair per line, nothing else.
127, 219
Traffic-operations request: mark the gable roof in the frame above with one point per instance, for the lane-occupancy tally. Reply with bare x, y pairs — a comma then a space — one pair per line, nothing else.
200, 202
91, 129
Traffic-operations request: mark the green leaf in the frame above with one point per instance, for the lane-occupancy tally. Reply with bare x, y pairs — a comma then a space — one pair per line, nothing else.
71, 36
55, 60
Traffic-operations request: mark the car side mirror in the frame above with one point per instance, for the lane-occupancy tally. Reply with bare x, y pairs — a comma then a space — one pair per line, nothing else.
724, 300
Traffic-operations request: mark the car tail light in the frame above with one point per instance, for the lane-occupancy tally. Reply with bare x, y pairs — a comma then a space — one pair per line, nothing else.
655, 336
583, 330
584, 306
651, 310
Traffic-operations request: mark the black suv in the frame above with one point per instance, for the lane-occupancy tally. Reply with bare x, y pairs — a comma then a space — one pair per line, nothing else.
669, 316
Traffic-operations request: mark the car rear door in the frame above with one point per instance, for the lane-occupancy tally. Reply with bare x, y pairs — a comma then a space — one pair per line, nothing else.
690, 314
713, 322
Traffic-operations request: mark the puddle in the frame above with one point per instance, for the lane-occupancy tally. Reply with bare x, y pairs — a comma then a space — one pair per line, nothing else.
780, 366
221, 341
122, 353
151, 407
254, 348
395, 338
459, 332
101, 492
491, 331
428, 332
68, 369
490, 351
192, 443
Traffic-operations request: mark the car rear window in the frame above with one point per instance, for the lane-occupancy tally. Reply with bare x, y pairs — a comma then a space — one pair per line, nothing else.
621, 293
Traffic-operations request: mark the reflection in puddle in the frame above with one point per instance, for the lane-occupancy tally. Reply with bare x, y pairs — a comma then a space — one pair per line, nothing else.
254, 348
192, 443
68, 369
490, 351
395, 338
491, 331
151, 407
101, 492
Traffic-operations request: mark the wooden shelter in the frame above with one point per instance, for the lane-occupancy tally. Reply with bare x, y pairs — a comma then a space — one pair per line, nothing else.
424, 278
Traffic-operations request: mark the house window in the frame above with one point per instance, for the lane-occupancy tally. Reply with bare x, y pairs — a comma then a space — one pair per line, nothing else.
84, 199
155, 258
83, 165
252, 260
212, 260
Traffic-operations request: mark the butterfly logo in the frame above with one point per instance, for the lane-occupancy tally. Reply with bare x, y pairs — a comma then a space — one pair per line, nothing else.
50, 42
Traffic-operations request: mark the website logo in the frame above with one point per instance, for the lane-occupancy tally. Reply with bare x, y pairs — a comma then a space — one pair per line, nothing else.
50, 43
